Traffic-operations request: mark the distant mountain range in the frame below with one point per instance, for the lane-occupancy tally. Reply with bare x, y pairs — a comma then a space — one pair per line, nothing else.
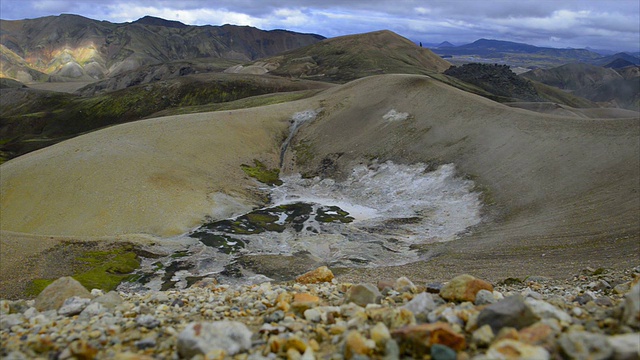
519, 54
75, 47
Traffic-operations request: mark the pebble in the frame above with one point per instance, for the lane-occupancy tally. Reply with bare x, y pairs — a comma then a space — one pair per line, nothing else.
464, 288
585, 345
363, 294
206, 337
512, 312
321, 274
73, 306
321, 321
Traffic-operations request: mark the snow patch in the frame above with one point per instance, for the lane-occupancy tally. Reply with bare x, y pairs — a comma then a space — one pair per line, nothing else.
394, 115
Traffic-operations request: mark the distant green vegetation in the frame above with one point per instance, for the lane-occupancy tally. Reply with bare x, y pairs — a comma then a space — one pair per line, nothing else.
260, 172
97, 270
34, 119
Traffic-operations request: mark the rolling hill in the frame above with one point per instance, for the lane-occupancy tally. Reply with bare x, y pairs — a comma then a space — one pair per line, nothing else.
346, 58
558, 193
595, 83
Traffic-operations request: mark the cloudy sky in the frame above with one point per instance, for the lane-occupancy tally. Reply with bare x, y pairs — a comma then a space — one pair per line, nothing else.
599, 24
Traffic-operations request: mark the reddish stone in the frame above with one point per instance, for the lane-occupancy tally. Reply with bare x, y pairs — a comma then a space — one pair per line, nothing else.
464, 288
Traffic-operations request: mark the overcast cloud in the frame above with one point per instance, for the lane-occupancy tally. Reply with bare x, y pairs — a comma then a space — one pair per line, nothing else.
600, 24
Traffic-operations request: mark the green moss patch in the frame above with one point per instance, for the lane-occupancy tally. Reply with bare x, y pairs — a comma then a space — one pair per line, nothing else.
98, 269
260, 172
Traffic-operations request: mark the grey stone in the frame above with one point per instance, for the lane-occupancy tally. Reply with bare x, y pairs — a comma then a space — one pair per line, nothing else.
391, 350
276, 316
485, 297
73, 306
8, 321
203, 337
583, 299
631, 307
625, 347
93, 309
421, 305
54, 295
148, 321
512, 311
545, 310
442, 352
109, 300
528, 293
146, 343
585, 345
363, 294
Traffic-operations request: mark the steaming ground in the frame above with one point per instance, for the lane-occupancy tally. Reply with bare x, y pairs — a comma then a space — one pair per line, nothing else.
558, 193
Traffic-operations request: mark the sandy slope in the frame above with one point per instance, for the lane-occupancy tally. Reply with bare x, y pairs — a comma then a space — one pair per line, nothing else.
564, 192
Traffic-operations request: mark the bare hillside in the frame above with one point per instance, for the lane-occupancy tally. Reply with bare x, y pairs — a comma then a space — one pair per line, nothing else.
559, 193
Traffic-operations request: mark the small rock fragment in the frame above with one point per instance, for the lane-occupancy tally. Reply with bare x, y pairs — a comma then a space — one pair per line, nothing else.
514, 350
631, 307
403, 284
485, 297
545, 310
357, 345
464, 288
442, 352
625, 347
482, 336
321, 274
380, 334
363, 294
203, 337
421, 305
73, 306
512, 311
585, 345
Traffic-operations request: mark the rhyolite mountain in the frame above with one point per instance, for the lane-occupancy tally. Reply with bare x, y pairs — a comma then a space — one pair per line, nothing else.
608, 86
75, 47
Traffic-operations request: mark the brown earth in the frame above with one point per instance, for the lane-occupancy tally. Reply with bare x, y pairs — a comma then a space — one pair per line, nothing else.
560, 193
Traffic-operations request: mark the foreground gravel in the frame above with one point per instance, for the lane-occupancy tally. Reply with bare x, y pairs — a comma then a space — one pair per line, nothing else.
591, 315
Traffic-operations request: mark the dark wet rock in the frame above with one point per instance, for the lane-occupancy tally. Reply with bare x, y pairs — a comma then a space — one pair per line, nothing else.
512, 311
442, 352
54, 295
434, 288
201, 338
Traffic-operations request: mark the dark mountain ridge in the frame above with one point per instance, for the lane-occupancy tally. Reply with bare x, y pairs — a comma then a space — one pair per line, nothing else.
525, 55
75, 47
